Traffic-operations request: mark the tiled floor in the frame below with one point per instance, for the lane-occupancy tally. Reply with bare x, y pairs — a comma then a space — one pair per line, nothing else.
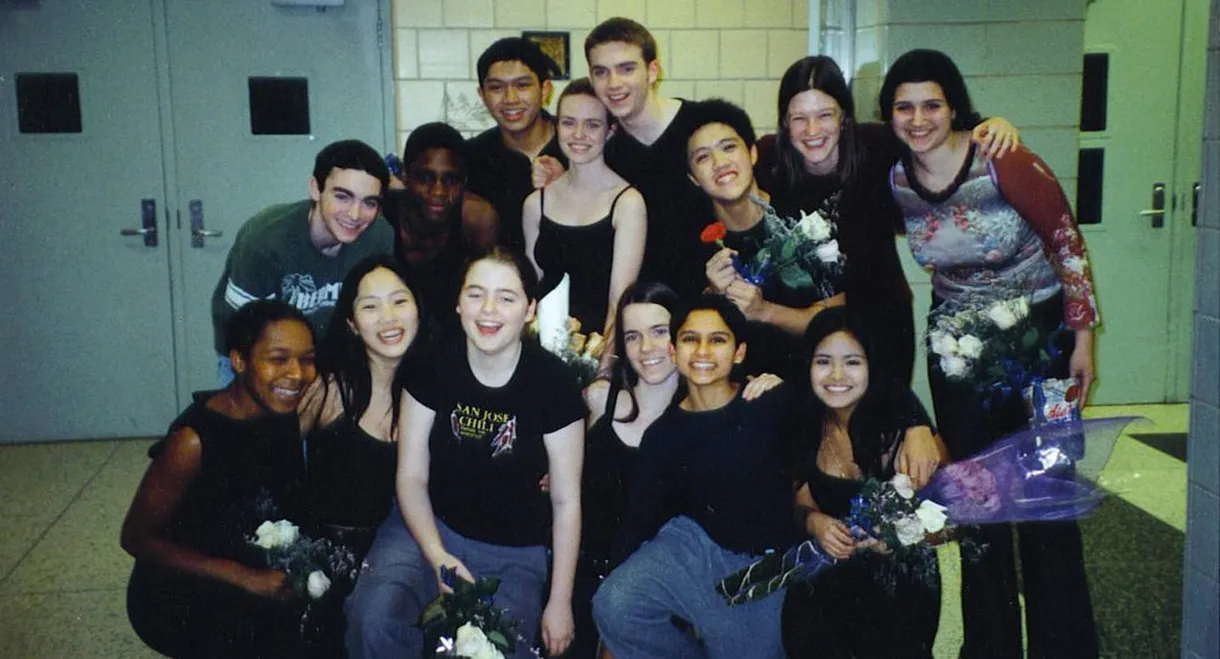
62, 573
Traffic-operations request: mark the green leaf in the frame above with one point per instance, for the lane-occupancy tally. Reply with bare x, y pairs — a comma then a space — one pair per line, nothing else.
498, 639
1029, 339
794, 277
787, 250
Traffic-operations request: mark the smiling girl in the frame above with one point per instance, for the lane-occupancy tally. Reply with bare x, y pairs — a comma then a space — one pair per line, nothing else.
230, 461
589, 223
477, 435
859, 419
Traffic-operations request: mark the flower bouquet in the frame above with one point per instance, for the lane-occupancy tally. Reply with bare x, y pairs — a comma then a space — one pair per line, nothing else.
1039, 474
978, 341
312, 564
803, 253
465, 621
560, 335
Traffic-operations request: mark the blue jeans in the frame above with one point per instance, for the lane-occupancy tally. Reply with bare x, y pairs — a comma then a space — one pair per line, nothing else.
396, 582
224, 370
675, 575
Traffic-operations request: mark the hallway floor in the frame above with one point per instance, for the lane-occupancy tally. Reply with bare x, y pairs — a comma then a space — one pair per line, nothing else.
63, 575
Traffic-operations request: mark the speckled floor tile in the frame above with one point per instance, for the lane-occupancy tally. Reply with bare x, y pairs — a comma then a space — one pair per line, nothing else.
81, 550
18, 537
40, 480
80, 625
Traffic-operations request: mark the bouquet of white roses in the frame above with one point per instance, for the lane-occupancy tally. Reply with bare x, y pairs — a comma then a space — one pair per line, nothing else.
312, 564
465, 622
984, 341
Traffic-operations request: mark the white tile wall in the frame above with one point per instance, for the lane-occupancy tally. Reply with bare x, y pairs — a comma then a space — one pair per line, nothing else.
418, 13
760, 101
469, 13
1035, 10
719, 13
670, 13
783, 48
696, 54
735, 49
525, 14
936, 11
1029, 101
564, 14
444, 54
743, 54
768, 13
964, 43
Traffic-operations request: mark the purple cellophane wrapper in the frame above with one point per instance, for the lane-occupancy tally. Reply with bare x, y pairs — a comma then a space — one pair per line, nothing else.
1047, 472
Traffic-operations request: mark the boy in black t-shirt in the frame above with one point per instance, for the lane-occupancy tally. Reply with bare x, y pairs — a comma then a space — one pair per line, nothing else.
722, 458
515, 85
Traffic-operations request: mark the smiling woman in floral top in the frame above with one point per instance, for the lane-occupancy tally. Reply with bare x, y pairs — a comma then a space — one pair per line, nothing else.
989, 231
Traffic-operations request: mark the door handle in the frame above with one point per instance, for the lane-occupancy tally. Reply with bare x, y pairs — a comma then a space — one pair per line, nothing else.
148, 223
198, 233
1157, 212
1194, 205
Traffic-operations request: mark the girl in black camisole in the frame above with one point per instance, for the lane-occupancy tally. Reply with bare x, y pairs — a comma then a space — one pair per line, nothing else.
600, 251
872, 606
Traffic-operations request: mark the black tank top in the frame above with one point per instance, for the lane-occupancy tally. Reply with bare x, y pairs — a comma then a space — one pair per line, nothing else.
586, 254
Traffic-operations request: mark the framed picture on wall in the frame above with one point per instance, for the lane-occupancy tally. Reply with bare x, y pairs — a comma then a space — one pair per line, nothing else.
555, 45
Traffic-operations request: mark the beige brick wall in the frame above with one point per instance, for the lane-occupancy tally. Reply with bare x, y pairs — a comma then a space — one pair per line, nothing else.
735, 49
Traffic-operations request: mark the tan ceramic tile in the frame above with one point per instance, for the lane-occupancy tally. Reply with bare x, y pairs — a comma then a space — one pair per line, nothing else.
39, 480
80, 625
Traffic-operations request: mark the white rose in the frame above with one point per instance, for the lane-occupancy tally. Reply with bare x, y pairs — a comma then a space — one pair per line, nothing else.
814, 227
317, 584
943, 343
909, 530
970, 347
1020, 307
932, 516
1002, 315
954, 366
828, 252
288, 532
472, 642
266, 535
902, 485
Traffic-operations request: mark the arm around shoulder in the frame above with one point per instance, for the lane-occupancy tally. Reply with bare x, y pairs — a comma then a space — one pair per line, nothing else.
480, 221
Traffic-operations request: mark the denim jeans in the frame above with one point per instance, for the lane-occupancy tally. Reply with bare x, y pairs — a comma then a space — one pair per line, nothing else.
396, 582
674, 576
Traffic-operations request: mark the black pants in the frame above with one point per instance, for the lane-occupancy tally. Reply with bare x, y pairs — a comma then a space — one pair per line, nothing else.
1058, 610
849, 612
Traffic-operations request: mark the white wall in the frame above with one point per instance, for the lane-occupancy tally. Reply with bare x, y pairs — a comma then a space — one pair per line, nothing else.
735, 49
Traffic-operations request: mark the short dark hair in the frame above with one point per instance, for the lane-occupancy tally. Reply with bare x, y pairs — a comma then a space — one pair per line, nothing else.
623, 30
925, 65
514, 259
728, 312
246, 326
434, 135
819, 73
720, 111
517, 49
350, 154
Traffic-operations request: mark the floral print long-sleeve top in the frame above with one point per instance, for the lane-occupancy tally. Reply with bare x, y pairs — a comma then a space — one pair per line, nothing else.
1005, 225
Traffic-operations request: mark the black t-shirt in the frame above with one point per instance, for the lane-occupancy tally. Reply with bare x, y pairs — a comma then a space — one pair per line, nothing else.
487, 453
725, 468
501, 175
677, 209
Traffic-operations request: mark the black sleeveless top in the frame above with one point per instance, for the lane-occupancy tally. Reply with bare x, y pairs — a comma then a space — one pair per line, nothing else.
350, 475
586, 254
250, 471
607, 473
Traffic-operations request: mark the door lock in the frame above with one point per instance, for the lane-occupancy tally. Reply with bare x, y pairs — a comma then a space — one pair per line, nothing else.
148, 223
1157, 212
198, 233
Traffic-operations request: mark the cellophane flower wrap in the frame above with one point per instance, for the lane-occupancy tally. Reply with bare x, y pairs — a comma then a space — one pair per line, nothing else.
1046, 473
802, 253
465, 621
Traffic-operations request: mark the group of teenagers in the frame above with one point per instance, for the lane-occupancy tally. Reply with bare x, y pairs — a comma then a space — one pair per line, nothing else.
383, 390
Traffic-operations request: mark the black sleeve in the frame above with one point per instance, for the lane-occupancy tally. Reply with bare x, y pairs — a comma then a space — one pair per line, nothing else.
426, 379
562, 404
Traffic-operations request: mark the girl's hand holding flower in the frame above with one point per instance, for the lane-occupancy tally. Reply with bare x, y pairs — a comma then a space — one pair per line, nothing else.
272, 584
919, 455
447, 560
833, 535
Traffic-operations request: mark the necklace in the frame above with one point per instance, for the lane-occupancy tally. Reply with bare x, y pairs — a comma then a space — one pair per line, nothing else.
846, 468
